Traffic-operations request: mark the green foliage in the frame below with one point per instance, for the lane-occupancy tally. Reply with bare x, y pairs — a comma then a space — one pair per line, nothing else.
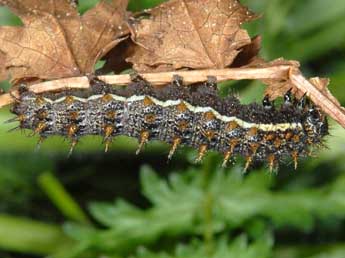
238, 248
17, 189
29, 236
179, 209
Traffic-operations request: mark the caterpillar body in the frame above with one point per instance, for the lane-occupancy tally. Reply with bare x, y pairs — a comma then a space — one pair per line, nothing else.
179, 115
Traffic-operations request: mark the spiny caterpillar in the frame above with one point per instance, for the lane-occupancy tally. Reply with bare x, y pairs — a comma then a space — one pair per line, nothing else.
178, 115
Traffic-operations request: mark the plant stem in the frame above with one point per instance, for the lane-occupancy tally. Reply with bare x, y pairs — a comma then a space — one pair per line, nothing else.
29, 236
61, 198
278, 72
322, 97
208, 205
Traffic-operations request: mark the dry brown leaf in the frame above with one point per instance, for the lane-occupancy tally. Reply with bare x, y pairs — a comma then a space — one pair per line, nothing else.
315, 88
55, 41
248, 54
277, 88
190, 34
116, 58
3, 74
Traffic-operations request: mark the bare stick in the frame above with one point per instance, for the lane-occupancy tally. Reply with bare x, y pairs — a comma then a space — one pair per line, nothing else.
333, 109
279, 72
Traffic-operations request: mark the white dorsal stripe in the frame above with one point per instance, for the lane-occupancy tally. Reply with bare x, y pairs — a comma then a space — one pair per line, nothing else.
194, 109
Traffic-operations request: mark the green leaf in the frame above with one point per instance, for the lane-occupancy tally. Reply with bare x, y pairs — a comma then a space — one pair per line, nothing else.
61, 198
235, 201
154, 189
320, 12
319, 43
238, 248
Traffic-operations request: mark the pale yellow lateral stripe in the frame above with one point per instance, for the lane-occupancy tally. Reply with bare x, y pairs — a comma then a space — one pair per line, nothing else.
168, 103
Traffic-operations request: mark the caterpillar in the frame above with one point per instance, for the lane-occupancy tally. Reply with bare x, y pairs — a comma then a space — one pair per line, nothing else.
194, 116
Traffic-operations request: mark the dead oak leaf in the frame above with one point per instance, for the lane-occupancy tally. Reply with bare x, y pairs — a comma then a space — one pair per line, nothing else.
190, 34
55, 41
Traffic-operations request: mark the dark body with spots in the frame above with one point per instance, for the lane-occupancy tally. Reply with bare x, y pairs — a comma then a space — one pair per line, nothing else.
179, 115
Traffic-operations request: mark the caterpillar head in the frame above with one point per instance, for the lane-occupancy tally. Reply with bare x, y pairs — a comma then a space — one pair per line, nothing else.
316, 124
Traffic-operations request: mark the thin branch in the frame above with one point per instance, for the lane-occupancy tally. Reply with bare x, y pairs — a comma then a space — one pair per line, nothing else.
333, 109
279, 72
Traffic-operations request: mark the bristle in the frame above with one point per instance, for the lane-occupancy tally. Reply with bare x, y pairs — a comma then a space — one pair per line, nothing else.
73, 144
296, 138
42, 114
39, 101
176, 143
288, 98
69, 100
288, 135
73, 115
14, 129
181, 107
21, 118
271, 162
302, 103
201, 153
294, 155
107, 98
108, 131
39, 143
107, 143
177, 80
232, 125
228, 154
311, 151
40, 127
277, 143
249, 160
209, 116
110, 115
148, 101
150, 118
71, 130
210, 134
211, 82
144, 136
12, 120
270, 137
182, 125
252, 132
254, 147
267, 104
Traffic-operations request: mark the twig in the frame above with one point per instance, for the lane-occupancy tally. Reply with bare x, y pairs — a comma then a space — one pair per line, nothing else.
279, 72
274, 72
334, 110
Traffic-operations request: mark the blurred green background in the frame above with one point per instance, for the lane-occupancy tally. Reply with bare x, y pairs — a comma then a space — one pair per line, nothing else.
122, 205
